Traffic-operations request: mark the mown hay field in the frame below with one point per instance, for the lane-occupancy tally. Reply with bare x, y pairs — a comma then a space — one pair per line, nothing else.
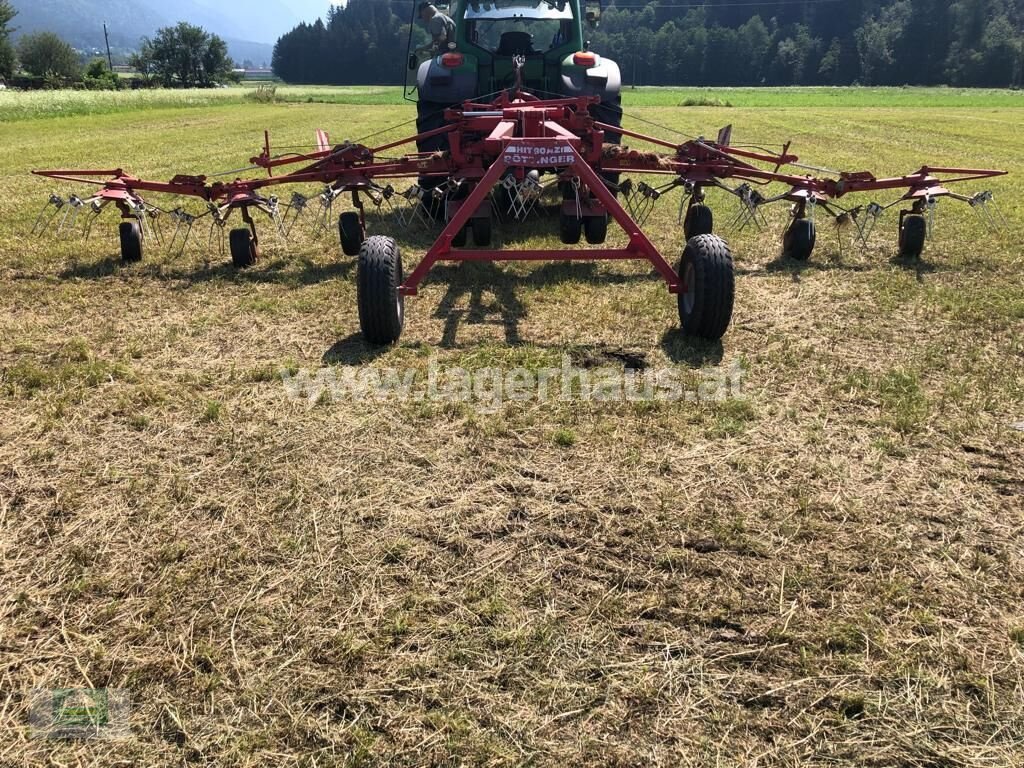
824, 570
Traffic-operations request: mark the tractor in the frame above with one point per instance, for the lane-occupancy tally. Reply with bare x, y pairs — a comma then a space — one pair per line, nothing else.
539, 46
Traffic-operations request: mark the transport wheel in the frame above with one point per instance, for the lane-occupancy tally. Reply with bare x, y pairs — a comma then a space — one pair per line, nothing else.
709, 283
131, 241
570, 229
700, 220
799, 241
243, 248
596, 228
461, 237
482, 231
913, 232
350, 230
378, 278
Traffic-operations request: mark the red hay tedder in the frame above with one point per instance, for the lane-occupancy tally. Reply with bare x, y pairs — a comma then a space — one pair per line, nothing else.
498, 159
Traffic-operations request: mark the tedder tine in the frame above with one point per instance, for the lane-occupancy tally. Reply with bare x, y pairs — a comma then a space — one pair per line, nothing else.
42, 220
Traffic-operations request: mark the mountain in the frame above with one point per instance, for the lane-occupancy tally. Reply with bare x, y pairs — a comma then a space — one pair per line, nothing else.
250, 28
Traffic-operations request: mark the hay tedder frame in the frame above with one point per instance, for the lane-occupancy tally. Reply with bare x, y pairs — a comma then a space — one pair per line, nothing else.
502, 156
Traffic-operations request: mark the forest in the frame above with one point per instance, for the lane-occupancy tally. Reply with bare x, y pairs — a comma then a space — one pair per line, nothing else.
968, 43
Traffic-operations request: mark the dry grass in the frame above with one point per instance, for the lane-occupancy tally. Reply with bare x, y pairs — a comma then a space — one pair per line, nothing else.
826, 574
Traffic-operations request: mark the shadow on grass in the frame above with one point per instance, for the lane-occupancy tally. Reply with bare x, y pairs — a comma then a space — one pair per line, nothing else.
353, 350
686, 350
296, 271
473, 279
479, 281
909, 263
96, 270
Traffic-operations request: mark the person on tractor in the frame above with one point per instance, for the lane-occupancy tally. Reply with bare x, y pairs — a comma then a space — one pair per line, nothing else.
440, 27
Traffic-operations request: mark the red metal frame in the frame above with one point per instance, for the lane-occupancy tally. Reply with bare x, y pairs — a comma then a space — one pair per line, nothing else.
512, 134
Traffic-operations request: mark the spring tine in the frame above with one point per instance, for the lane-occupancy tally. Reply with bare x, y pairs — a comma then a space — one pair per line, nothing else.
155, 226
93, 215
682, 207
72, 205
41, 225
174, 238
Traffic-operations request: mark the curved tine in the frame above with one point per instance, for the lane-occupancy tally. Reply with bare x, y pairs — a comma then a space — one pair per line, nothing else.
64, 220
682, 207
40, 225
185, 237
157, 230
93, 215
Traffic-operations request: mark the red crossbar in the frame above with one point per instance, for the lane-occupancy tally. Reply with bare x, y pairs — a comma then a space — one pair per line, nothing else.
639, 247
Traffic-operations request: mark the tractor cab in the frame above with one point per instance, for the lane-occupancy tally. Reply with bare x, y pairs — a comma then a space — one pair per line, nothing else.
491, 36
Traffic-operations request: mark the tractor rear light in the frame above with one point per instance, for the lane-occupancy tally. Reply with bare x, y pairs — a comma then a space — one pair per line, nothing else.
452, 60
585, 59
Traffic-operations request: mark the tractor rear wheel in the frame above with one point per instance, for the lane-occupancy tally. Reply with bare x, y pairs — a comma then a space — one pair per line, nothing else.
378, 279
610, 113
570, 229
700, 220
799, 241
708, 290
430, 117
913, 233
596, 228
131, 241
243, 247
482, 231
350, 230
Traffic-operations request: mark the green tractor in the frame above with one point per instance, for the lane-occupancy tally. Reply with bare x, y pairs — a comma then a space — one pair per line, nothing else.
543, 39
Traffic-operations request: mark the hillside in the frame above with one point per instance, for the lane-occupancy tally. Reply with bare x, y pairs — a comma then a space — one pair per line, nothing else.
250, 29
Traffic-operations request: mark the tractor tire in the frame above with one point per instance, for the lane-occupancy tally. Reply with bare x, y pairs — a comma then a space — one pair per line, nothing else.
705, 306
570, 229
610, 113
799, 241
502, 198
596, 229
350, 230
483, 232
700, 220
913, 233
131, 241
461, 238
430, 117
378, 279
243, 248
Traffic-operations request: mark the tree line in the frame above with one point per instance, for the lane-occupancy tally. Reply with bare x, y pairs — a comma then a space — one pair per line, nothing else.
183, 56
969, 43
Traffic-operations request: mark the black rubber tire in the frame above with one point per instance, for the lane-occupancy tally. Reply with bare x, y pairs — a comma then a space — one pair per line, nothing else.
243, 248
610, 113
913, 233
461, 238
429, 117
706, 269
799, 241
350, 230
596, 229
483, 231
378, 278
131, 241
700, 220
502, 198
570, 229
